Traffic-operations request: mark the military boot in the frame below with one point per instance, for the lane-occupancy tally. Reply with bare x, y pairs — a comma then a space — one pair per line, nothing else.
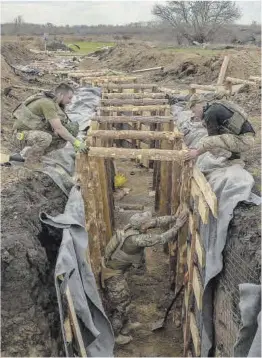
122, 340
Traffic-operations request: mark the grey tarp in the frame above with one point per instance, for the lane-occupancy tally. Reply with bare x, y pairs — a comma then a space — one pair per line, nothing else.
60, 166
249, 339
231, 184
96, 328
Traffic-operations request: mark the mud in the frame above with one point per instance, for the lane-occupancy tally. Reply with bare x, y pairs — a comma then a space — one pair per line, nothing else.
30, 321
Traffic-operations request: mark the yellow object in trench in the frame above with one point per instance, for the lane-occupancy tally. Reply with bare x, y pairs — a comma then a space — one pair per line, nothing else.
120, 180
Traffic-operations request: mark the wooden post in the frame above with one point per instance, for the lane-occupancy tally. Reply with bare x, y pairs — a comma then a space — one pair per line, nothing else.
135, 134
128, 119
223, 70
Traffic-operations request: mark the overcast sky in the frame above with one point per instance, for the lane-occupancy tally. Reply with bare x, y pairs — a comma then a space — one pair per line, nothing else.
98, 12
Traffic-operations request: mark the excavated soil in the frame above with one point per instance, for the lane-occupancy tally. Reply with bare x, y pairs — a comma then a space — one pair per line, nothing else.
30, 320
29, 311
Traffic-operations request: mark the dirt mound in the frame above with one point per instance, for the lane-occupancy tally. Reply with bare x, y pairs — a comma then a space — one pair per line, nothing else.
16, 53
31, 325
201, 66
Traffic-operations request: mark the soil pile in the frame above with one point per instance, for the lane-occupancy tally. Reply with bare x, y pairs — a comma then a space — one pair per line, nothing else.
31, 325
182, 65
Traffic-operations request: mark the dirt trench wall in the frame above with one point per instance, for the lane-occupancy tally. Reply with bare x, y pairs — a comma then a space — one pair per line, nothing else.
242, 264
30, 320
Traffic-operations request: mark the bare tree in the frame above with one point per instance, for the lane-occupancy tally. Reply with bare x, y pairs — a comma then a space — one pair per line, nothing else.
197, 20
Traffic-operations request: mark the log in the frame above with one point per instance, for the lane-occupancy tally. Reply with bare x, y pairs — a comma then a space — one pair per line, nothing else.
127, 119
151, 154
203, 87
131, 134
195, 335
144, 95
134, 102
223, 70
149, 69
130, 108
255, 78
197, 288
130, 86
236, 81
206, 190
168, 90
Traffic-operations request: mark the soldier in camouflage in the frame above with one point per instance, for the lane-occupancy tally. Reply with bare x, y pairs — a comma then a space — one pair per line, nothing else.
125, 249
227, 126
41, 121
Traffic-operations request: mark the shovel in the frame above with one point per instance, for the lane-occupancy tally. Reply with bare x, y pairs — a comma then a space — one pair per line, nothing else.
159, 324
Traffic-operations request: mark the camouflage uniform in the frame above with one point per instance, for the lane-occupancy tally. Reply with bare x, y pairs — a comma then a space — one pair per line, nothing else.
228, 128
32, 120
126, 248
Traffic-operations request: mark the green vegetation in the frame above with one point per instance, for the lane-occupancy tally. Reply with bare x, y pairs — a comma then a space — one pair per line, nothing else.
87, 47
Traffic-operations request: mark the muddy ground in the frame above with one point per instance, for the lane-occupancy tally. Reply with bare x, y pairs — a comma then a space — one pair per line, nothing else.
29, 311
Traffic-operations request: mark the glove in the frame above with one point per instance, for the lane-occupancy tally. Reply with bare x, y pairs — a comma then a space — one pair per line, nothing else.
80, 146
20, 136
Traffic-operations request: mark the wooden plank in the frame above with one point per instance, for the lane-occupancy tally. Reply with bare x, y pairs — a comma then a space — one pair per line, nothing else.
197, 288
131, 134
255, 78
195, 335
206, 190
223, 70
148, 69
203, 207
203, 87
130, 86
239, 80
130, 108
200, 250
133, 102
143, 95
75, 324
124, 153
131, 119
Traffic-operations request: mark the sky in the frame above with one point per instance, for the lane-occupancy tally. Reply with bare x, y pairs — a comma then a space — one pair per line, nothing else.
98, 12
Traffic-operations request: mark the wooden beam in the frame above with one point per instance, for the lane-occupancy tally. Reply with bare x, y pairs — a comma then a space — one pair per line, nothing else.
108, 79
239, 80
124, 153
130, 134
127, 119
75, 324
149, 69
130, 86
203, 207
195, 335
197, 288
223, 70
130, 108
200, 250
206, 190
133, 95
203, 87
133, 102
255, 78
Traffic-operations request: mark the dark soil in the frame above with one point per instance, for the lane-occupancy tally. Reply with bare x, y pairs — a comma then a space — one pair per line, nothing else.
30, 320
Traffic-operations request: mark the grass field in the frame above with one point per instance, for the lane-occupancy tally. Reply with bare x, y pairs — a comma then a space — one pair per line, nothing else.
88, 47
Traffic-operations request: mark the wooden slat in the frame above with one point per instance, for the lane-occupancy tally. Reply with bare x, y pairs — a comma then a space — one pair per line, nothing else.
127, 119
133, 95
130, 86
206, 190
123, 153
197, 288
195, 335
133, 102
130, 134
200, 250
130, 108
223, 70
203, 207
75, 324
240, 80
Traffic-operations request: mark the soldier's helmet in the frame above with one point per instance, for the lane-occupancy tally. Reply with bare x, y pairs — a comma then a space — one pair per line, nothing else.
137, 220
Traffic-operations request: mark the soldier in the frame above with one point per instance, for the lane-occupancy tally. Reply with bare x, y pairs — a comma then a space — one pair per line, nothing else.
227, 126
125, 249
41, 120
